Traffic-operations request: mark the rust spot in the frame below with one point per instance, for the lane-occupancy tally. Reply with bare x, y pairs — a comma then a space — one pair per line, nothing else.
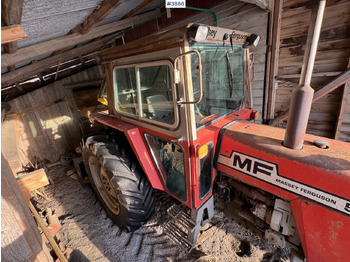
339, 224
333, 234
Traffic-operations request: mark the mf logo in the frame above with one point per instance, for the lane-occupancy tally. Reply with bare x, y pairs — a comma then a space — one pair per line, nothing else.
249, 165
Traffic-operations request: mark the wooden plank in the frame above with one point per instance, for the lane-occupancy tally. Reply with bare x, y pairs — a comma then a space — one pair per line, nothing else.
272, 63
20, 238
31, 181
328, 24
11, 14
138, 8
30, 52
321, 74
345, 93
32, 69
338, 81
12, 33
303, 19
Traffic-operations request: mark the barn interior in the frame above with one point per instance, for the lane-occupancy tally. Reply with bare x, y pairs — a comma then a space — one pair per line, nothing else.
51, 78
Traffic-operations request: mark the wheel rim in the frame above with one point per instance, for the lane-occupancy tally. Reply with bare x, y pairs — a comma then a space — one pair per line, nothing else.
104, 186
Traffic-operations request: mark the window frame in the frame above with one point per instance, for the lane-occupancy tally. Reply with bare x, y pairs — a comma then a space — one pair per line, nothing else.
139, 114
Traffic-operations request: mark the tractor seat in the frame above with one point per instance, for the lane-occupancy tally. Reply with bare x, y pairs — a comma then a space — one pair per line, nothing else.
159, 106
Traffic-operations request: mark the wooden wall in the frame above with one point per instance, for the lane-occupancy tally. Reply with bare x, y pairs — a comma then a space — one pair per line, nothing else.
242, 16
332, 58
48, 123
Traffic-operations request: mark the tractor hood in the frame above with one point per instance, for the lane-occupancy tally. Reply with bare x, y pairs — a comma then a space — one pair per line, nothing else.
254, 153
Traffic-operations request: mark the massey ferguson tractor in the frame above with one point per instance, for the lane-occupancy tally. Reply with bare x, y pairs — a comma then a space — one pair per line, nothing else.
180, 120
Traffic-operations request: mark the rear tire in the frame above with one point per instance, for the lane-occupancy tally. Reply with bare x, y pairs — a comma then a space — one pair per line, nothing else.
118, 181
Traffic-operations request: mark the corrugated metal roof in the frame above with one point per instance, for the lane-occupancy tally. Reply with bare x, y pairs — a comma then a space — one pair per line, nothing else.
43, 20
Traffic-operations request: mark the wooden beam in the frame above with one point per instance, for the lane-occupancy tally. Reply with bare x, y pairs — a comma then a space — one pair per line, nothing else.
320, 74
273, 58
34, 68
138, 8
103, 10
344, 100
33, 51
11, 14
338, 81
12, 33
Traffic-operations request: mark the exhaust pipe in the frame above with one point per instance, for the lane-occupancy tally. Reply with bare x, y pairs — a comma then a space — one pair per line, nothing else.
300, 104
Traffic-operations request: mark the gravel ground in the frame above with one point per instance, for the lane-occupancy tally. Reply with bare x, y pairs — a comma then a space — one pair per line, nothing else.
93, 237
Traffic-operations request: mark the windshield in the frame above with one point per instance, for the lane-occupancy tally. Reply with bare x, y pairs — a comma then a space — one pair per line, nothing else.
223, 80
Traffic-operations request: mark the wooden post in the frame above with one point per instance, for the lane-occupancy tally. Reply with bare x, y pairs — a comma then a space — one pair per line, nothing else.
273, 57
20, 237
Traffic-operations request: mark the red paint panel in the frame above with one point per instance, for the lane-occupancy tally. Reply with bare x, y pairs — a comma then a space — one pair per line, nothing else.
137, 143
324, 169
204, 136
324, 234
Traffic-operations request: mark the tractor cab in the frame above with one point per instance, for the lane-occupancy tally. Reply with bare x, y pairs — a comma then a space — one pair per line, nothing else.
179, 88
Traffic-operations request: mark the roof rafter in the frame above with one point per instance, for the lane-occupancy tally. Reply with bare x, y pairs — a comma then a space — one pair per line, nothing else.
47, 47
35, 68
103, 10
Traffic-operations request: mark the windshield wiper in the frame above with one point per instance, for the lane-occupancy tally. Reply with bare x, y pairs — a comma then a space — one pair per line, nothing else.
229, 72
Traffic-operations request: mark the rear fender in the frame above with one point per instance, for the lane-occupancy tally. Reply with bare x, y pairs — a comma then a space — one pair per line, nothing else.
137, 143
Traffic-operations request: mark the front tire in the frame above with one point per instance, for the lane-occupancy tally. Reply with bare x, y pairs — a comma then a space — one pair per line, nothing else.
119, 182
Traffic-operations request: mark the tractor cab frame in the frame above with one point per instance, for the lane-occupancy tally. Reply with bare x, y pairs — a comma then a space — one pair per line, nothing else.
179, 88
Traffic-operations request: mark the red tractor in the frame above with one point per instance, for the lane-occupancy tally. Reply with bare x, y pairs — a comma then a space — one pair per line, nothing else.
179, 120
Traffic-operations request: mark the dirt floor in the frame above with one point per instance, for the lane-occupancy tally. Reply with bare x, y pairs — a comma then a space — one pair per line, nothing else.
93, 237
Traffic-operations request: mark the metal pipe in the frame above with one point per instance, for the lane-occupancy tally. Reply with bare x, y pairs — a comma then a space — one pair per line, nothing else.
300, 105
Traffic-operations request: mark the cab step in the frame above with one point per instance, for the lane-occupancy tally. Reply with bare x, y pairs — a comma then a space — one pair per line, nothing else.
181, 217
178, 236
183, 228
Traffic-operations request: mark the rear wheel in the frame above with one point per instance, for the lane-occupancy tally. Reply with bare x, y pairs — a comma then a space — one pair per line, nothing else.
119, 182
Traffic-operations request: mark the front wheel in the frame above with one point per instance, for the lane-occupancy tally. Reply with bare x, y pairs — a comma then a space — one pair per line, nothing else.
119, 182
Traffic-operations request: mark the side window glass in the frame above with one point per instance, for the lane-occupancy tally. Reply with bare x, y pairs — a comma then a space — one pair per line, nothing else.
125, 88
206, 173
156, 93
169, 158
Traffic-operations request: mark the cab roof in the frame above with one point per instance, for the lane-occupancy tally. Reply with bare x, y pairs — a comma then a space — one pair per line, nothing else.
174, 38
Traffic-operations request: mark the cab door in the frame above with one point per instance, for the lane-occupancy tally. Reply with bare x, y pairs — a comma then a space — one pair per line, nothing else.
146, 96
